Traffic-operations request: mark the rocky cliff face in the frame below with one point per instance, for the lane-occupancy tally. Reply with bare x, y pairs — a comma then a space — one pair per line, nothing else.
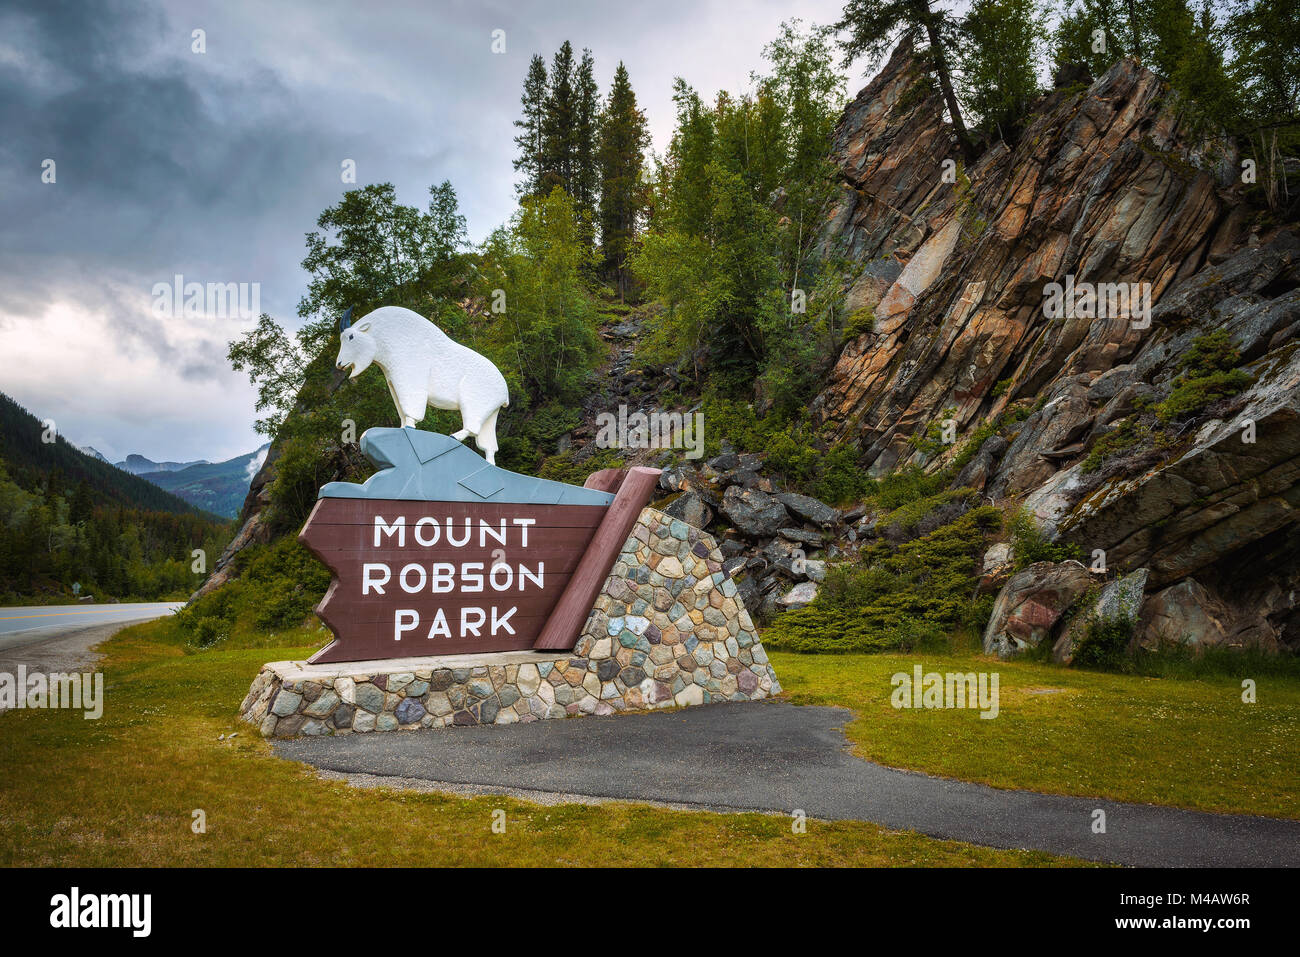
1109, 184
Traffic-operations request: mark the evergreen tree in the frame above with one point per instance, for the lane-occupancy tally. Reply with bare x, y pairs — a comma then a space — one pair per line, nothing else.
685, 188
1164, 29
1077, 40
1265, 36
1001, 42
529, 138
874, 25
1200, 74
558, 124
623, 138
586, 117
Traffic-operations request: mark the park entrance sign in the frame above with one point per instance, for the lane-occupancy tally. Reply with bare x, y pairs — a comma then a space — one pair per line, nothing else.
440, 553
466, 594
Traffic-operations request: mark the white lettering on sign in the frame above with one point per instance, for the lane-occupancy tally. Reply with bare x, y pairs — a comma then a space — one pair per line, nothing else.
383, 528
367, 582
406, 619
447, 578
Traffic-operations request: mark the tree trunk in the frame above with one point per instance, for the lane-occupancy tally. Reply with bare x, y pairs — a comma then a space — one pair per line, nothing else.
945, 84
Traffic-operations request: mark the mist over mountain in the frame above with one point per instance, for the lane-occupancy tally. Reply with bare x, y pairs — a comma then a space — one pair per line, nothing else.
139, 465
217, 487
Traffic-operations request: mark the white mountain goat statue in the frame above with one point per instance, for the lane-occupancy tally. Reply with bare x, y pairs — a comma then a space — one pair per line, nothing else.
424, 367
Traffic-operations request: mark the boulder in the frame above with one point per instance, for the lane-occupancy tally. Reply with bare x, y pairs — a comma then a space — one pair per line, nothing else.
745, 478
996, 568
1189, 614
1031, 605
977, 472
809, 509
803, 536
753, 513
1121, 598
797, 597
672, 478
690, 508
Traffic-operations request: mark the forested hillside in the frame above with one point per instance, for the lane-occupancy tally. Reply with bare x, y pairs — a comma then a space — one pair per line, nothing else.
70, 518
32, 452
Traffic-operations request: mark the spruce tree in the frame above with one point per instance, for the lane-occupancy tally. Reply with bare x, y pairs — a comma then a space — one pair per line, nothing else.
557, 124
586, 116
1001, 41
623, 138
873, 25
529, 139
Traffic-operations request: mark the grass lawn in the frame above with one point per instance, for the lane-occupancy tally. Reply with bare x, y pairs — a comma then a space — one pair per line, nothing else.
1186, 742
121, 791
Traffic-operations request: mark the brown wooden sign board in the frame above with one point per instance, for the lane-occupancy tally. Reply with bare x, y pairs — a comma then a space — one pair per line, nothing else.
417, 578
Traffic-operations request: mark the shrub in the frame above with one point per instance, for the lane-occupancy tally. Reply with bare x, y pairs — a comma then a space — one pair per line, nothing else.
1124, 436
1209, 373
563, 467
926, 514
861, 322
900, 597
207, 631
1105, 641
1031, 546
1192, 394
278, 587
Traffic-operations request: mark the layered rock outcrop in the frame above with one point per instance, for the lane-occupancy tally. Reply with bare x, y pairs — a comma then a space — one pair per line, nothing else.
1108, 185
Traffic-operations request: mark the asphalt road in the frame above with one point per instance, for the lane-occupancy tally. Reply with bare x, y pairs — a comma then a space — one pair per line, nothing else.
774, 756
59, 638
55, 619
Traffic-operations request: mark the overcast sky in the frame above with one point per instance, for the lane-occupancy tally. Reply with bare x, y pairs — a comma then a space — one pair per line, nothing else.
214, 165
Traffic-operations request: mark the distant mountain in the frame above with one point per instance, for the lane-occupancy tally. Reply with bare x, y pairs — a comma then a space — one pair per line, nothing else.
93, 452
218, 487
139, 465
33, 463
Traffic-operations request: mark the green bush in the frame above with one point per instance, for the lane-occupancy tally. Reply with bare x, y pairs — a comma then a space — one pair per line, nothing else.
899, 597
1122, 437
905, 485
563, 467
1194, 393
1105, 641
208, 631
861, 322
1030, 545
1209, 373
278, 587
904, 520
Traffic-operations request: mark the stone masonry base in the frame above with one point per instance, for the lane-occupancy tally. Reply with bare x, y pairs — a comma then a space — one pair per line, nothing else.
667, 630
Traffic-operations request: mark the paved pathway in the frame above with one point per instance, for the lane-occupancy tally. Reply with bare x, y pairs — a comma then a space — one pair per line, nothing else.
774, 756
